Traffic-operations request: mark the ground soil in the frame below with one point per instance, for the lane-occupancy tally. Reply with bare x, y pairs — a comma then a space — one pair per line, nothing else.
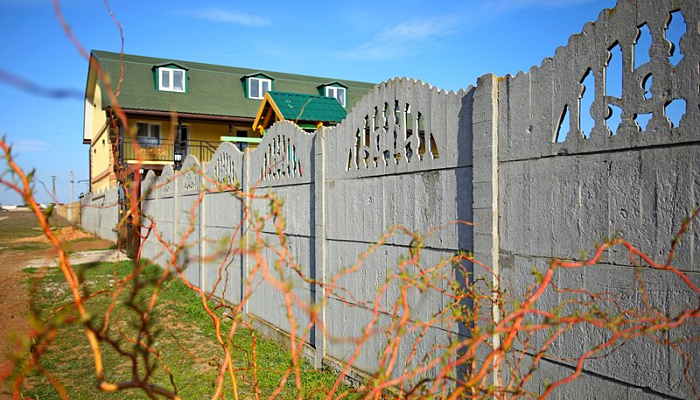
65, 234
21, 243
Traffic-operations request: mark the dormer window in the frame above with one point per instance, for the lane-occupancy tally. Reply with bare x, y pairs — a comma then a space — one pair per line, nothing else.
337, 92
335, 89
171, 79
257, 87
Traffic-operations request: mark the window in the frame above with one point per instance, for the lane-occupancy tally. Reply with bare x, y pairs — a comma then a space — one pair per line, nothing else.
171, 79
257, 87
337, 92
148, 135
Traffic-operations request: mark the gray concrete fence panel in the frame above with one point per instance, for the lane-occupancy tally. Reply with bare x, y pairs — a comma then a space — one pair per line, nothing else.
514, 155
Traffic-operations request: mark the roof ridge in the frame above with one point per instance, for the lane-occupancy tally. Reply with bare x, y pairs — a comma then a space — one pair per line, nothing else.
210, 89
192, 65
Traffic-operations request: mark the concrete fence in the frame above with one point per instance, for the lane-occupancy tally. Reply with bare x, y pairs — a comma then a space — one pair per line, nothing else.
509, 154
99, 213
71, 212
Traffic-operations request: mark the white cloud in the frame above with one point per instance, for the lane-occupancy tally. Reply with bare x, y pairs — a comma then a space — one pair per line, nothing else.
30, 146
232, 17
400, 40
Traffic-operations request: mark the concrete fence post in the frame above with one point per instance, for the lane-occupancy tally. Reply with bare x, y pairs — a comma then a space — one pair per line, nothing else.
320, 254
245, 227
202, 230
485, 182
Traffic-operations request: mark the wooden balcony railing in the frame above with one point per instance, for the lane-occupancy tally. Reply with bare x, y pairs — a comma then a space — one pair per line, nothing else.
153, 149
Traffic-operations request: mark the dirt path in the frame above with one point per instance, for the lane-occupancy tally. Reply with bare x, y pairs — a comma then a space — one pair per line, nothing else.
14, 298
20, 247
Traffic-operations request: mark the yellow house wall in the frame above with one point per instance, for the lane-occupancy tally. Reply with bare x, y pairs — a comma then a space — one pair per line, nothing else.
167, 134
102, 183
207, 131
102, 162
204, 131
100, 146
212, 132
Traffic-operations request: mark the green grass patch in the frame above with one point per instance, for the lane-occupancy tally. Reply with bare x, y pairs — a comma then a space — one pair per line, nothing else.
29, 246
21, 224
86, 239
178, 325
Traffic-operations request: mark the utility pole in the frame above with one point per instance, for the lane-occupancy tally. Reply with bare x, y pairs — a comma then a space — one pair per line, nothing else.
53, 179
72, 193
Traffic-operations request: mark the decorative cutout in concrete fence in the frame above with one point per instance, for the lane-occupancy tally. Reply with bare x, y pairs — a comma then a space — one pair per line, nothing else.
515, 156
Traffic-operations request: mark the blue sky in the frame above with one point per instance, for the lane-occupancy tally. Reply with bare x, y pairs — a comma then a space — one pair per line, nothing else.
448, 44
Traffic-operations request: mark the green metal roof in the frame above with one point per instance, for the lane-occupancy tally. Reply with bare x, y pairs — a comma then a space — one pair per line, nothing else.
211, 89
308, 107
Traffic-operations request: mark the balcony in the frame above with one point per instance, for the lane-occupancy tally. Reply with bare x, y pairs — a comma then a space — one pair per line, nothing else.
154, 150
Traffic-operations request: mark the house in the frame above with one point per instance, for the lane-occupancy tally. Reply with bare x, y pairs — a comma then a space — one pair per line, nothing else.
174, 108
309, 111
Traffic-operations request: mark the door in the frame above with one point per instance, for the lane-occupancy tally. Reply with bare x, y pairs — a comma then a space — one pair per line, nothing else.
184, 140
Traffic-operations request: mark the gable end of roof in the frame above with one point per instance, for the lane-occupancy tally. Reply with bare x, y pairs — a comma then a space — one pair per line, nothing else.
169, 65
334, 83
257, 75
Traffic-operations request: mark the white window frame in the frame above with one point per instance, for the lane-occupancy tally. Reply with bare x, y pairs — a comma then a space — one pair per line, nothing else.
171, 86
332, 91
259, 83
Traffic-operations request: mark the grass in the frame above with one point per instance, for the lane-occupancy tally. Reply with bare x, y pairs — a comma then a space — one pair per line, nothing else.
17, 229
26, 246
21, 224
179, 321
